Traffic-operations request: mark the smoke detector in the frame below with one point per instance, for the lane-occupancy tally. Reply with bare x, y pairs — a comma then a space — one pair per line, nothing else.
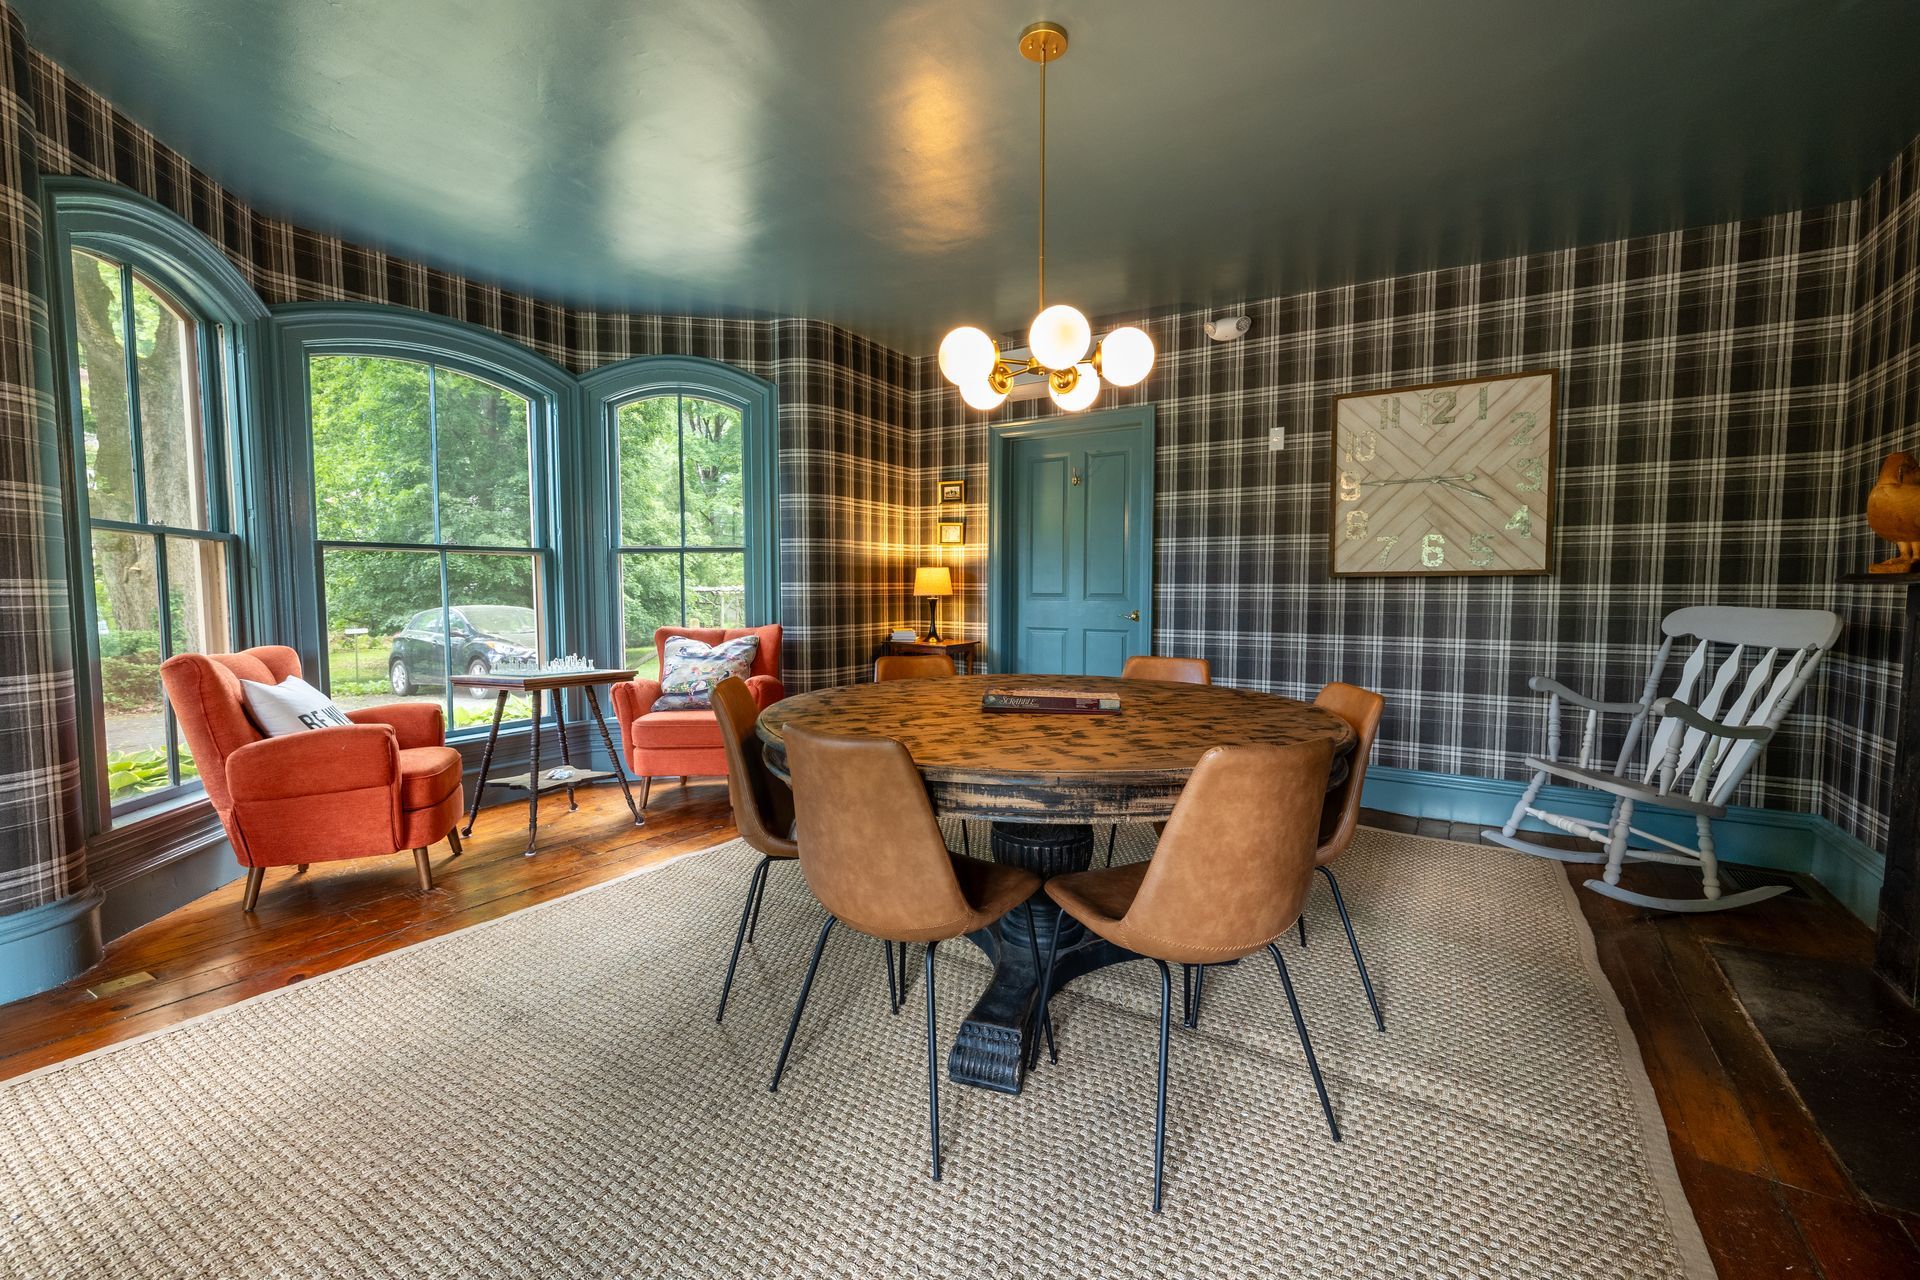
1227, 328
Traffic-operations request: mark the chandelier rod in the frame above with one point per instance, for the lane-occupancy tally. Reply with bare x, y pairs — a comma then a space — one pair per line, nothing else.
1043, 177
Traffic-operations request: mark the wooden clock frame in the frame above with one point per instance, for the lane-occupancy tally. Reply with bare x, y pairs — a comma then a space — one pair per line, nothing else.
1543, 525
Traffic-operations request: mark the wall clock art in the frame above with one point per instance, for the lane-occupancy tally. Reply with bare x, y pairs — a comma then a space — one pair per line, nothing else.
1445, 479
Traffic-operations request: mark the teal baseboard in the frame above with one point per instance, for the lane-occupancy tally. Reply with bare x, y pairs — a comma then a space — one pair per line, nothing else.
45, 946
167, 887
1773, 838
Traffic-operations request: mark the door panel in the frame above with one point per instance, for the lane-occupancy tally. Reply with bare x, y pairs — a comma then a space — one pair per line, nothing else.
1105, 652
1045, 651
1081, 503
1046, 533
1105, 549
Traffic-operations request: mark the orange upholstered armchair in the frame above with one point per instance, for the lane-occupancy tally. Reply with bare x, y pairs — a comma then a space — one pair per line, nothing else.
385, 783
688, 743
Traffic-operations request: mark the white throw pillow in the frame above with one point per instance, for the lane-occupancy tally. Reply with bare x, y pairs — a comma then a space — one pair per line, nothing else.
292, 706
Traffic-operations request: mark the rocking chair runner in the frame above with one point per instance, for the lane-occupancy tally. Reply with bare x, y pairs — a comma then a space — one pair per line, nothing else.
1695, 762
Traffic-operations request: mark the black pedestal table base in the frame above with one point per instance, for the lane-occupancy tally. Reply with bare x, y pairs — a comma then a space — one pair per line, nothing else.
992, 1048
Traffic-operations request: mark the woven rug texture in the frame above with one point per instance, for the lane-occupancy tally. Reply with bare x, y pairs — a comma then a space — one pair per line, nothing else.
548, 1095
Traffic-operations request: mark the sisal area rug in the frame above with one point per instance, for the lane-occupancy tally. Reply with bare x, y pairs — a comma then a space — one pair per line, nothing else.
547, 1095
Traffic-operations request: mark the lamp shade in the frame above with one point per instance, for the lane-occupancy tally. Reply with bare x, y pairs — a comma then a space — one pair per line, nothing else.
967, 355
936, 580
1126, 356
1059, 337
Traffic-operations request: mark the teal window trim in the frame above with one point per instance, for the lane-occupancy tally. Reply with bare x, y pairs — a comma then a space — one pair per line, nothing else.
151, 241
305, 330
604, 391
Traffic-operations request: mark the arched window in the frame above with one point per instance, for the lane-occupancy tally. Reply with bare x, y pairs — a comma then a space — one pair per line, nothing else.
156, 334
429, 467
691, 497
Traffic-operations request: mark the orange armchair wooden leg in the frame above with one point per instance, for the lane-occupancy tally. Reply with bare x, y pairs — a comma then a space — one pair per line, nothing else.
301, 869
453, 838
424, 865
254, 876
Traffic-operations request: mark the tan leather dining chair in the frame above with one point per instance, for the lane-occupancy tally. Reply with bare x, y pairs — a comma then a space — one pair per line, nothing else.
912, 666
874, 857
1229, 878
1152, 666
1361, 709
1339, 818
762, 808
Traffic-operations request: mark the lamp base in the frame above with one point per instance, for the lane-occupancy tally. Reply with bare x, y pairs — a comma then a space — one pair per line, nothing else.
933, 617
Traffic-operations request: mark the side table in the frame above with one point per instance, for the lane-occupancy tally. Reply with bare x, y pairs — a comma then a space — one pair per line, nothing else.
533, 782
954, 649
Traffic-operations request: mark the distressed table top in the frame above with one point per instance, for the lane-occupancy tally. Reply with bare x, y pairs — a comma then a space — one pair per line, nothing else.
1055, 768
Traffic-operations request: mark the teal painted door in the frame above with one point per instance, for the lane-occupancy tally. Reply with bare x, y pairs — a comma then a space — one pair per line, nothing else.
1080, 555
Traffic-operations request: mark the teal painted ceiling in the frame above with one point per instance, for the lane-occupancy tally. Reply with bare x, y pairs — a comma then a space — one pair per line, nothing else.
873, 162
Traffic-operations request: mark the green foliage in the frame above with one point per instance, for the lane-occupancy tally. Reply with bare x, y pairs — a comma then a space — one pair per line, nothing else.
673, 446
374, 424
139, 773
129, 644
466, 716
131, 684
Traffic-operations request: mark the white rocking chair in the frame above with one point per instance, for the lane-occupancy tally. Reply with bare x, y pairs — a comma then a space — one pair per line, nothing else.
1695, 762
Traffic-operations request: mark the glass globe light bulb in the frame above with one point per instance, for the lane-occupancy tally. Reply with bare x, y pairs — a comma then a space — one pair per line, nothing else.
1086, 389
1059, 337
1126, 356
967, 355
979, 394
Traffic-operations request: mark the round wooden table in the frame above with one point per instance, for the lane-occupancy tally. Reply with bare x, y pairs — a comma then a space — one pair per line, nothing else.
1041, 779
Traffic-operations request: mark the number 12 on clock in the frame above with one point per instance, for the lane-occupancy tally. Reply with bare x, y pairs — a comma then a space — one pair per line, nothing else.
1445, 478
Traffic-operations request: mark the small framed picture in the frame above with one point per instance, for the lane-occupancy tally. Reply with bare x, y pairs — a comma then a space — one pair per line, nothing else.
952, 532
953, 491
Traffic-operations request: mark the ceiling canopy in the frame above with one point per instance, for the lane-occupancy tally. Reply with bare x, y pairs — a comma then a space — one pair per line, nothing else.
869, 161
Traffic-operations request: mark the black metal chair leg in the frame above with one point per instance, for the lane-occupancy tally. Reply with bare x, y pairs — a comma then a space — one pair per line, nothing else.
813, 966
758, 879
893, 986
1198, 973
966, 842
1306, 1045
753, 921
1160, 1104
1046, 1002
933, 1069
1340, 905
1045, 1018
1186, 995
1303, 928
1113, 834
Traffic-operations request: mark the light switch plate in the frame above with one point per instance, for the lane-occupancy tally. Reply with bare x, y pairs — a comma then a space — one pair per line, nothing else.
1276, 439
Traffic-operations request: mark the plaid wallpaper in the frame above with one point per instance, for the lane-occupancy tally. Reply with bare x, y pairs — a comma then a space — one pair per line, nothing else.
1710, 452
41, 853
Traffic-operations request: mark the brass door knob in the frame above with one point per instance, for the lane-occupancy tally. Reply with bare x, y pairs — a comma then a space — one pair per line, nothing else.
1132, 617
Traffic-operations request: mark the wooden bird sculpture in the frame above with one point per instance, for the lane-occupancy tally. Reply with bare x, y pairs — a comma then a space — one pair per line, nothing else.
1893, 511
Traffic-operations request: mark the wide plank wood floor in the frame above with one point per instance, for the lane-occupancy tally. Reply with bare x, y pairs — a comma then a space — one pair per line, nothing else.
1771, 1198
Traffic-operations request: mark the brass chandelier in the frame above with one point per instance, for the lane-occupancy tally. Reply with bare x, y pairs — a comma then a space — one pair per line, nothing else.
1059, 339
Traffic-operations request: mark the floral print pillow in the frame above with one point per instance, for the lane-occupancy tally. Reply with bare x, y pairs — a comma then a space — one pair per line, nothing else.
693, 668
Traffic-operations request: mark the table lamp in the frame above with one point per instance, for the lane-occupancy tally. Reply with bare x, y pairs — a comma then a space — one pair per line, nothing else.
933, 582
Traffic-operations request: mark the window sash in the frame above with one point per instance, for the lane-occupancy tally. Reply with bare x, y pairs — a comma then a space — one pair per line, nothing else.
682, 549
207, 367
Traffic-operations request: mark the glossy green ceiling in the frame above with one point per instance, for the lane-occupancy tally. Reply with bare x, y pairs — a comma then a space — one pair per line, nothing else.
873, 163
